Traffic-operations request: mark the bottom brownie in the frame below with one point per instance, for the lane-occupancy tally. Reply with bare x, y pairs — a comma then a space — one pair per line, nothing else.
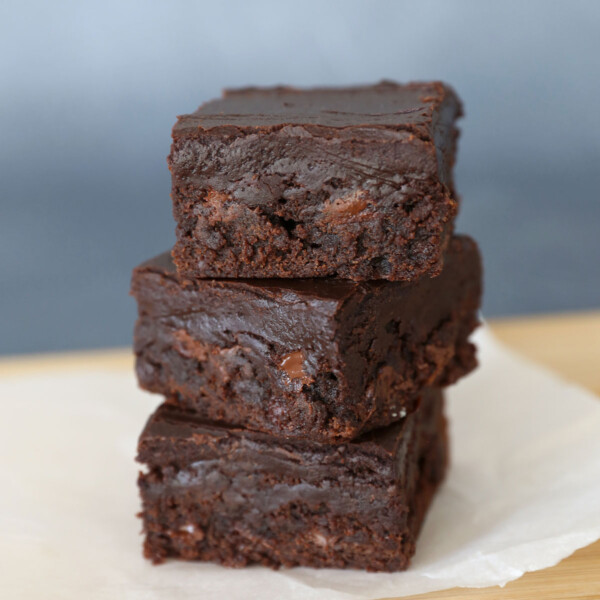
238, 497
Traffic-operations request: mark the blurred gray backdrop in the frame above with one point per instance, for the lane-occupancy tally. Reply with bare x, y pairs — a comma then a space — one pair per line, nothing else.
89, 92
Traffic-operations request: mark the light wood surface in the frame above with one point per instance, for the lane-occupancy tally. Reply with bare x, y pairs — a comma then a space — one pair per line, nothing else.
569, 344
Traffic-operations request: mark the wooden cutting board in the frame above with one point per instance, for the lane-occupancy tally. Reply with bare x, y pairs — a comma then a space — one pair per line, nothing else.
568, 344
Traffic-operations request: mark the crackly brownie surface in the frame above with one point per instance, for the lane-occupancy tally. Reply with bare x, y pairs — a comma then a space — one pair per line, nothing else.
323, 358
351, 182
237, 497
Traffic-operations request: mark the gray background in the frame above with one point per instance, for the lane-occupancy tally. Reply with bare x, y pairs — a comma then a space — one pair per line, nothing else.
89, 92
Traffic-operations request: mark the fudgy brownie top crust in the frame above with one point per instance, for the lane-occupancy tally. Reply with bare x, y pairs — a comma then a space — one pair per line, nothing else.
175, 436
411, 106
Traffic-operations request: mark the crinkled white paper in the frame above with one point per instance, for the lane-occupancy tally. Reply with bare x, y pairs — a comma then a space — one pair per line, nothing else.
523, 492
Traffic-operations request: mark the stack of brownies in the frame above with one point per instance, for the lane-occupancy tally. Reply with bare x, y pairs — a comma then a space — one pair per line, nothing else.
302, 329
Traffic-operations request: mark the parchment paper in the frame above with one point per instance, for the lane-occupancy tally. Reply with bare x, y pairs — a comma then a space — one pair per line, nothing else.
523, 492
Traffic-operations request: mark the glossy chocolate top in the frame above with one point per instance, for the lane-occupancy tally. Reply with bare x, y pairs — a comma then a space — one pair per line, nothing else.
412, 106
174, 437
170, 423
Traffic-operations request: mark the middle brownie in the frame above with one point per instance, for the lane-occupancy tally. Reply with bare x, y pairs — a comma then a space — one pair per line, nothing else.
323, 358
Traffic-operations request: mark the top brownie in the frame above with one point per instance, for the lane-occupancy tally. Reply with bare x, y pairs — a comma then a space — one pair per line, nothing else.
347, 182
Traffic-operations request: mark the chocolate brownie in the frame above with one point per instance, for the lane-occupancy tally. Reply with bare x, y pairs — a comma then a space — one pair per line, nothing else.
348, 182
237, 497
323, 358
